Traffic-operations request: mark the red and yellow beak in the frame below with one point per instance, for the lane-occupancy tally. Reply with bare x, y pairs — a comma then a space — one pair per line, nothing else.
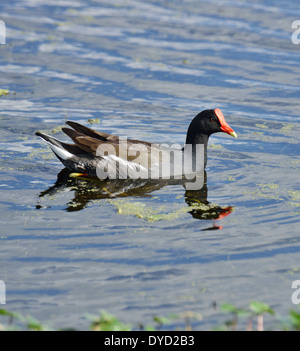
224, 126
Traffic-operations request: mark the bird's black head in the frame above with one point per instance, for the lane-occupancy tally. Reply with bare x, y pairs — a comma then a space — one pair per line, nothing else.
206, 123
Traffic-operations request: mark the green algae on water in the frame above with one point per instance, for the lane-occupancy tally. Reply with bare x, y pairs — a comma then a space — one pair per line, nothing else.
267, 191
271, 191
215, 146
53, 130
286, 127
261, 126
295, 195
269, 186
4, 92
151, 214
231, 179
94, 121
295, 198
41, 153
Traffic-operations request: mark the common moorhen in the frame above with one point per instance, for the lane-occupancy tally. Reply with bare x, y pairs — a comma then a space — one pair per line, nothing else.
83, 157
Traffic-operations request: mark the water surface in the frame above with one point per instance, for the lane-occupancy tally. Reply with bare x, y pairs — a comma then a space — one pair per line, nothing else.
145, 70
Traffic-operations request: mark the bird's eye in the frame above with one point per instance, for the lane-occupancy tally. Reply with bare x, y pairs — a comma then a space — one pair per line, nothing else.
213, 119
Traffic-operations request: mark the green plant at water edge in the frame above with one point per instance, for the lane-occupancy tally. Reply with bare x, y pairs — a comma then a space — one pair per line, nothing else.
295, 320
28, 323
108, 322
255, 310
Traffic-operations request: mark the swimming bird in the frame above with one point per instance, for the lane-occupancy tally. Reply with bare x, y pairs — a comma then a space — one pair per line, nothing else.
95, 153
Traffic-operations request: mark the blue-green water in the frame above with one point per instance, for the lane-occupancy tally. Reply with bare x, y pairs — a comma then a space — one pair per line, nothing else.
145, 69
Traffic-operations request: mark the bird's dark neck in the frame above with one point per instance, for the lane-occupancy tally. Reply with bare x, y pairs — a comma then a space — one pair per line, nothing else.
195, 139
198, 139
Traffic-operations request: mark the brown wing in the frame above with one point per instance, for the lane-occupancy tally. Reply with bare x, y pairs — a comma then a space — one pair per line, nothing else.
86, 143
114, 147
101, 135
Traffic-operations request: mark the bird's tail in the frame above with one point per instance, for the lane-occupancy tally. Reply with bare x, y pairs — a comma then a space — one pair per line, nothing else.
56, 146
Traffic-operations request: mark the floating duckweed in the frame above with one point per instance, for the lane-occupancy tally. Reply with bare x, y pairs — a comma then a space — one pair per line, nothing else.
261, 126
94, 121
232, 179
56, 129
53, 130
295, 198
295, 195
266, 191
4, 92
23, 138
7, 169
286, 127
133, 208
39, 153
215, 146
271, 186
168, 216
270, 191
294, 204
151, 214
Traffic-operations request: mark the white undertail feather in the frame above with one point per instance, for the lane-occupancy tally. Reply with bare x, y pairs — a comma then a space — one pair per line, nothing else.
62, 153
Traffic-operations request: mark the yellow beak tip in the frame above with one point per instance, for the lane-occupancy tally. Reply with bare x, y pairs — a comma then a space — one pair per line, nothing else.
233, 134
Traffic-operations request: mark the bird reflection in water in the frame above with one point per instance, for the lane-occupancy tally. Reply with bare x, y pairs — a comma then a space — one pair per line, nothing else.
210, 211
90, 189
